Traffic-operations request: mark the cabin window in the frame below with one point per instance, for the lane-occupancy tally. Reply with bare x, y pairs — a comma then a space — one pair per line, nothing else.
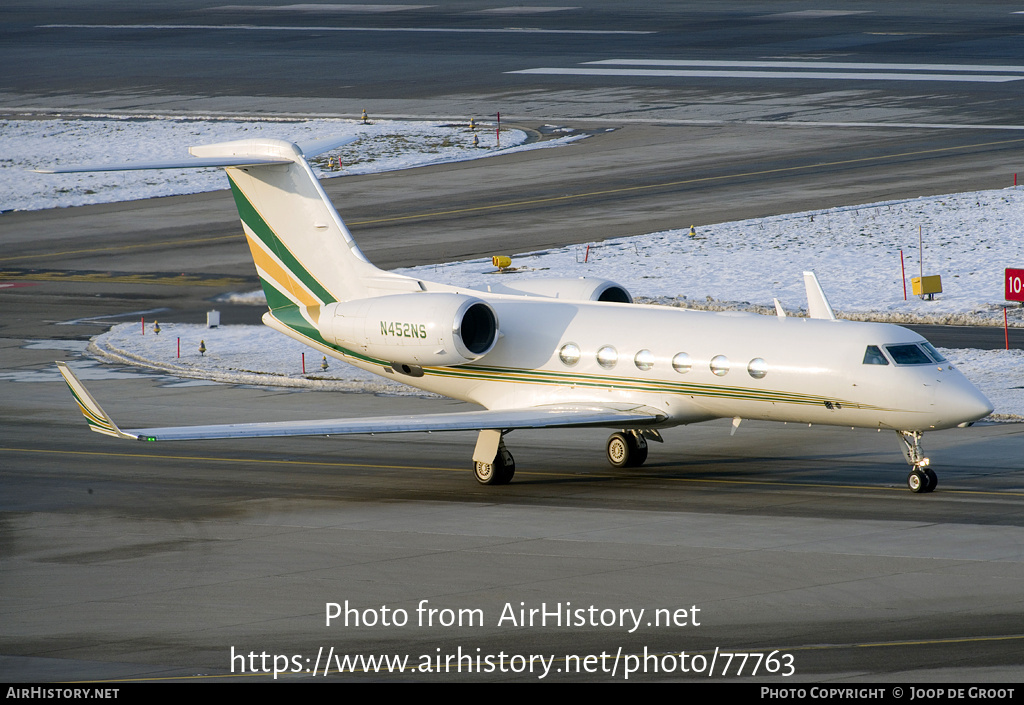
720, 365
681, 363
607, 357
757, 368
644, 360
569, 354
909, 354
873, 356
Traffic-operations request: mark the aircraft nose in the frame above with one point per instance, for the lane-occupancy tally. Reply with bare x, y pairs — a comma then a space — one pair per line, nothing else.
965, 402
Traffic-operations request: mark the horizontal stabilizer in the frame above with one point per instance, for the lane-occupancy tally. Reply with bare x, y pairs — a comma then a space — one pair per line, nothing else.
548, 416
241, 153
171, 164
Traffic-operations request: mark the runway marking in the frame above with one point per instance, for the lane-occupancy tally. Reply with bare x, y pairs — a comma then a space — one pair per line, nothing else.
325, 8
93, 319
515, 204
546, 475
808, 64
803, 123
813, 14
791, 75
521, 10
286, 28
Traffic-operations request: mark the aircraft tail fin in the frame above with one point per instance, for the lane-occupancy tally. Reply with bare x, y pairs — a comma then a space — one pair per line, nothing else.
304, 253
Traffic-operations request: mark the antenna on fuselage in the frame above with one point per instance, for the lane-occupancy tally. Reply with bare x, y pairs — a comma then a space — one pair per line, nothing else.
817, 304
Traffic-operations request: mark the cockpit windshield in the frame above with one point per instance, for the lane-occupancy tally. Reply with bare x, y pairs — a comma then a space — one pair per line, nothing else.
909, 354
933, 353
923, 353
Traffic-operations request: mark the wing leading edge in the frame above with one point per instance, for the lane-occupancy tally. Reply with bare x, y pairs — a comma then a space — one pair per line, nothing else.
547, 416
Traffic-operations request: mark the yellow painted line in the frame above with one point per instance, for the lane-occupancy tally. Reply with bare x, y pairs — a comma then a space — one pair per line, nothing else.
97, 277
928, 642
121, 248
152, 456
630, 475
515, 204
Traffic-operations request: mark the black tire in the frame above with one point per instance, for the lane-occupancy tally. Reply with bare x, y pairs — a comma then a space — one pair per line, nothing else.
917, 481
638, 450
933, 479
506, 467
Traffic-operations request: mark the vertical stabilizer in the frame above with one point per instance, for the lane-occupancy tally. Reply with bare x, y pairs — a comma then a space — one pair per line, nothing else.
304, 254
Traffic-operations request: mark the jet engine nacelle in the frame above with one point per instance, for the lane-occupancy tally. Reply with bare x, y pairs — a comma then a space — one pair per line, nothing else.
414, 330
579, 289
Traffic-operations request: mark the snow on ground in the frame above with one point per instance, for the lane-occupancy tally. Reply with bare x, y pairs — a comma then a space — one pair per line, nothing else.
236, 354
384, 146
969, 238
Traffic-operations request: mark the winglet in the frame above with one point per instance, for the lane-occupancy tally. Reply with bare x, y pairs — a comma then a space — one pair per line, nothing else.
98, 419
817, 305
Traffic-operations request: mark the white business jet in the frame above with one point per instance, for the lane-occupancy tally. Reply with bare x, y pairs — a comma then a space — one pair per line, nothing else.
553, 352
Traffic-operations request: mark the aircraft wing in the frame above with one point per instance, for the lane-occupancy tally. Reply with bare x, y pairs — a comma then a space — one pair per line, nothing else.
618, 415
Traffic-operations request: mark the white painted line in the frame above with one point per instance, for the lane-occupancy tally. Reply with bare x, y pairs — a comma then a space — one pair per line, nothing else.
790, 75
325, 8
625, 119
807, 64
814, 14
520, 10
280, 28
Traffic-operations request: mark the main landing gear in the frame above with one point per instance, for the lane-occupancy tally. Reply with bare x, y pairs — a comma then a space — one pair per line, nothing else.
628, 449
500, 466
921, 478
493, 463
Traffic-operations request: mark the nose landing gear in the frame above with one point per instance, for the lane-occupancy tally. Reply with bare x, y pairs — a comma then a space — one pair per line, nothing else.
921, 478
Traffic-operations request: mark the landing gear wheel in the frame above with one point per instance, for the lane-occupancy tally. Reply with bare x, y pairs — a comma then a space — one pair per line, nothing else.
500, 472
627, 450
933, 479
618, 450
917, 481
